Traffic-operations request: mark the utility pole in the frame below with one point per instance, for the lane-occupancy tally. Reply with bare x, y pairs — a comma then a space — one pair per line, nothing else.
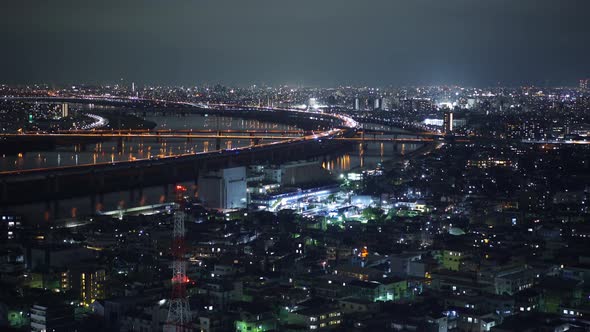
179, 312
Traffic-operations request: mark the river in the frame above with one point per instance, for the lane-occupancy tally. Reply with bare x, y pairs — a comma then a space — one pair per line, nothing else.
360, 156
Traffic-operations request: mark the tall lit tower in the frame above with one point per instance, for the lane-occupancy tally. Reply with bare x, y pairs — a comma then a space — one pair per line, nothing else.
448, 122
179, 312
65, 110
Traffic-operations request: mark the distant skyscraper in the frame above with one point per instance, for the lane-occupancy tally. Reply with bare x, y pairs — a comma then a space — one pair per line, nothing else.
385, 103
584, 83
357, 104
448, 122
377, 103
406, 105
133, 87
65, 111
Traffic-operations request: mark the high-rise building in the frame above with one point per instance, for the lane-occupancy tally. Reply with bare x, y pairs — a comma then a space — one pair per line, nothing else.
86, 280
385, 103
406, 105
357, 104
448, 122
423, 104
584, 83
65, 111
377, 104
224, 189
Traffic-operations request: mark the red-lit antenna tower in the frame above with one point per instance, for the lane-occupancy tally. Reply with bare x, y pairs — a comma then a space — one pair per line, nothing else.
179, 312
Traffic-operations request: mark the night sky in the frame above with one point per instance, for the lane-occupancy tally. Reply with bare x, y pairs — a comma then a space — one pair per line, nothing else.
298, 42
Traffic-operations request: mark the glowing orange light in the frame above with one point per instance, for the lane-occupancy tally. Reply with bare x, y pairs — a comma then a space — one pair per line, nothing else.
364, 252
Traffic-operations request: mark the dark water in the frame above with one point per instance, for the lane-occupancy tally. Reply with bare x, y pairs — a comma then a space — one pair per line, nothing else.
361, 156
370, 155
367, 156
110, 151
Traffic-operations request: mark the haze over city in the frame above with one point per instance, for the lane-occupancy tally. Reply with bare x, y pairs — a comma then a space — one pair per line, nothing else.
301, 43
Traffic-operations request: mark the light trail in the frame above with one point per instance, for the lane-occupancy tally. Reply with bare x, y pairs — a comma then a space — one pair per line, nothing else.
345, 125
98, 123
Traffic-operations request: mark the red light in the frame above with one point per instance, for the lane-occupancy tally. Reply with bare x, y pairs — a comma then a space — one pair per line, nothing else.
180, 188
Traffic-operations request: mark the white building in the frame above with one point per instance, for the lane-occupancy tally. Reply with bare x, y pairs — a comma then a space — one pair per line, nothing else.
50, 319
224, 189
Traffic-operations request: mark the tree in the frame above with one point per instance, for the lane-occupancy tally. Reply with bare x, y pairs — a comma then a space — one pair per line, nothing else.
373, 213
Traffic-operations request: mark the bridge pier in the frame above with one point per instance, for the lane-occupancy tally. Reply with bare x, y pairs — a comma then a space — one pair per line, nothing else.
48, 214
218, 143
52, 209
120, 144
131, 196
97, 181
140, 178
166, 192
140, 194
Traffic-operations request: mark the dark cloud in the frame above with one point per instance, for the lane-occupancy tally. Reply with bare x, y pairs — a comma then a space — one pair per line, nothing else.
312, 42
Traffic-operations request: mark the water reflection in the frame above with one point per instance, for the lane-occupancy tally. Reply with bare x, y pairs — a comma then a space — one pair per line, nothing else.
367, 156
129, 149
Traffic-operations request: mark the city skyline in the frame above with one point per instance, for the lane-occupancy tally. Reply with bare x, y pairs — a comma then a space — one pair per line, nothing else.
294, 166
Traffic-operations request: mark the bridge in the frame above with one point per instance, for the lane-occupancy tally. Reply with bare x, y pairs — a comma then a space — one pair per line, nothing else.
212, 134
53, 184
81, 136
393, 140
175, 131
